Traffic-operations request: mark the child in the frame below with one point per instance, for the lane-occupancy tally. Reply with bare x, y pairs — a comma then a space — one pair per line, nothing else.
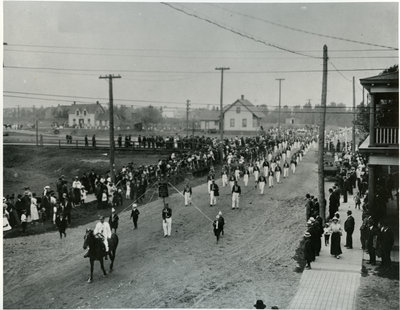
24, 221
357, 200
327, 233
83, 195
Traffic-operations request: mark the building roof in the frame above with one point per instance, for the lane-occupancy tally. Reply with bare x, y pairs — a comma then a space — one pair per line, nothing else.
390, 79
90, 108
207, 115
248, 105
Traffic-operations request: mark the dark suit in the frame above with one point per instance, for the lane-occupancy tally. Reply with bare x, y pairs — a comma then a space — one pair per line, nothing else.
135, 216
349, 229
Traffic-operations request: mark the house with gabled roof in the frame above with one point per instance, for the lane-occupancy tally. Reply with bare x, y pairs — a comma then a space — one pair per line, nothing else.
242, 115
87, 115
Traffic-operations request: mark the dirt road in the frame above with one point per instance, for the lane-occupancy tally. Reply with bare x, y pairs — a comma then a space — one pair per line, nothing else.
188, 270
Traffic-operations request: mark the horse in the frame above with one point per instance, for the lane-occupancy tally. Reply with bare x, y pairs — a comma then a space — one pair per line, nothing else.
97, 250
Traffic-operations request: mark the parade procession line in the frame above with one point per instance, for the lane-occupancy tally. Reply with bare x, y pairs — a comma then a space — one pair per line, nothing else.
333, 283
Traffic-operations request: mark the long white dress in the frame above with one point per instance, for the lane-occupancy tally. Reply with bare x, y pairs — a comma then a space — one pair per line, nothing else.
6, 224
34, 210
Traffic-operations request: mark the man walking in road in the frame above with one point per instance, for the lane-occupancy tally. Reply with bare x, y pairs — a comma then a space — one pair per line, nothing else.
236, 191
187, 194
214, 193
135, 215
167, 220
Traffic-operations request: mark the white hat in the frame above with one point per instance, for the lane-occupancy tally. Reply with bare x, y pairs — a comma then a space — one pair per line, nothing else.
312, 219
47, 187
112, 210
134, 205
219, 213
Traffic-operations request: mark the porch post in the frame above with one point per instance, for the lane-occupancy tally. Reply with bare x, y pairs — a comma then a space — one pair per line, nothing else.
372, 120
371, 190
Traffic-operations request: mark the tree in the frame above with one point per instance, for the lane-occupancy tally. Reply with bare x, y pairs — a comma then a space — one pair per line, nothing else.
149, 115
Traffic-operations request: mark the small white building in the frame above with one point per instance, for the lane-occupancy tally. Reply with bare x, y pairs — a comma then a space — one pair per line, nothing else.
87, 116
242, 115
208, 120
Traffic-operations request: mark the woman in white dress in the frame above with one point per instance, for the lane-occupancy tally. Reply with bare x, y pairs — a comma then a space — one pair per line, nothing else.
34, 209
6, 224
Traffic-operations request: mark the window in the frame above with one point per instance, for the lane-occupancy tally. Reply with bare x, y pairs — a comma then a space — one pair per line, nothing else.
77, 112
74, 120
84, 112
216, 123
238, 109
232, 122
88, 120
256, 122
244, 122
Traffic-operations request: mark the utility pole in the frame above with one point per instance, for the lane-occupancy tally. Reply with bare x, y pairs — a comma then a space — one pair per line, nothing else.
18, 117
353, 145
321, 138
279, 114
221, 113
110, 77
187, 117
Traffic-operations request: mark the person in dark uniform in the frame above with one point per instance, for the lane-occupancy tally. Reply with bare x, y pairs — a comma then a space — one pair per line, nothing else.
61, 223
113, 221
385, 243
349, 229
119, 140
94, 140
86, 140
309, 253
135, 215
217, 227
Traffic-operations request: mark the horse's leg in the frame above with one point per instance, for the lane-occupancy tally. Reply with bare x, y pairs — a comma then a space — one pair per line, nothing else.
112, 256
91, 270
102, 266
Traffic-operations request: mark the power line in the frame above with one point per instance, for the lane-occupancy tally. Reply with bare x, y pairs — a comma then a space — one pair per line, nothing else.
337, 70
184, 50
305, 31
237, 32
183, 72
189, 57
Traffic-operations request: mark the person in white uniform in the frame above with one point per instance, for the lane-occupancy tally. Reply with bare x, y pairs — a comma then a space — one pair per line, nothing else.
103, 231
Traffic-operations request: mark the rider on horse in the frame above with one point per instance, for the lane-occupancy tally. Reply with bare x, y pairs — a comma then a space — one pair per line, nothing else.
102, 231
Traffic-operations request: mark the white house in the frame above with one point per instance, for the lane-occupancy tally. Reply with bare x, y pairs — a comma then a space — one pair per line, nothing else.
209, 120
242, 115
87, 116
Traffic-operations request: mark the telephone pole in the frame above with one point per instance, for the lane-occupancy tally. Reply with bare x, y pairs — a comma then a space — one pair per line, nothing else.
279, 114
187, 117
353, 145
221, 113
321, 138
110, 78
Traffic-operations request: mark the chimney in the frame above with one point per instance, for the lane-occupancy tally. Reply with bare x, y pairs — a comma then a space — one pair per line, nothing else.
242, 97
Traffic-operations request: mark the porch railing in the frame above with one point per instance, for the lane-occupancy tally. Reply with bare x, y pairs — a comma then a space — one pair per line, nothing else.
386, 135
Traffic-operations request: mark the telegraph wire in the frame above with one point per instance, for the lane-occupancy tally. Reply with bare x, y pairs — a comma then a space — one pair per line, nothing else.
186, 51
305, 31
188, 57
238, 32
183, 72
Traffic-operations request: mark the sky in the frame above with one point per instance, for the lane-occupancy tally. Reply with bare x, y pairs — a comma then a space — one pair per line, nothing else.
56, 51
